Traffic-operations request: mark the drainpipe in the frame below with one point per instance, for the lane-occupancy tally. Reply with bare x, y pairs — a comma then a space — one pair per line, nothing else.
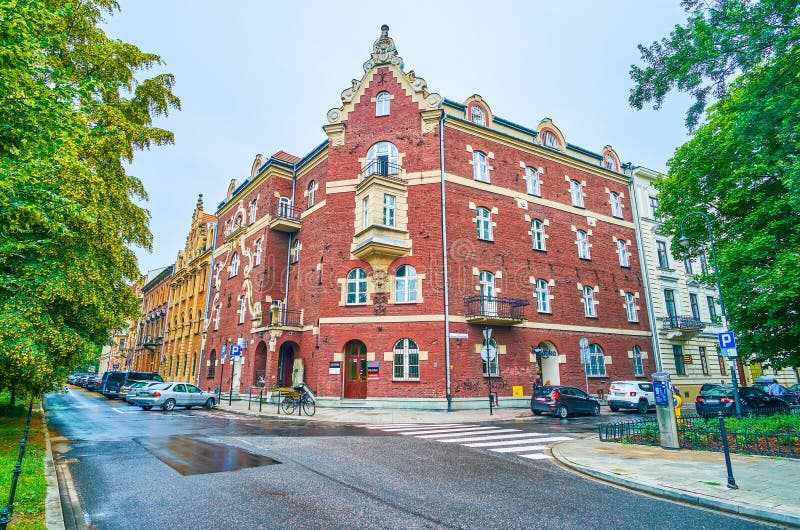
164, 333
289, 252
643, 265
208, 302
444, 273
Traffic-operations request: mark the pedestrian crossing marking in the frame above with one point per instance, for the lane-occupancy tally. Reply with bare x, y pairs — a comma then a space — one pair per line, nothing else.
465, 432
484, 438
535, 456
423, 427
532, 437
519, 449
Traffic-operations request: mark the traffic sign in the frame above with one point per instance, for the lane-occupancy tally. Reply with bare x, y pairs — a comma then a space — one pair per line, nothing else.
727, 340
584, 343
236, 350
489, 352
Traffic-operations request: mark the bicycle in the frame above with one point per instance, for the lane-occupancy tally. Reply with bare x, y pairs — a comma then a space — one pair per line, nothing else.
297, 397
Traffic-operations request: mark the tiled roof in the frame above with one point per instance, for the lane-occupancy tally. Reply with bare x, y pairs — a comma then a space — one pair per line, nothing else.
208, 218
286, 157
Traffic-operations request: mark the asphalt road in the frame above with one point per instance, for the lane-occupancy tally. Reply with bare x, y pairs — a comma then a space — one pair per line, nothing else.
213, 469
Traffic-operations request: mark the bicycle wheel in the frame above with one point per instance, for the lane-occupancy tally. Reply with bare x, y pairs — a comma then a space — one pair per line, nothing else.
288, 405
309, 407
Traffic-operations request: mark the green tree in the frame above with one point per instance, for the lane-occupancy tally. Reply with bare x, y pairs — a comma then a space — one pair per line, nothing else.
72, 113
741, 166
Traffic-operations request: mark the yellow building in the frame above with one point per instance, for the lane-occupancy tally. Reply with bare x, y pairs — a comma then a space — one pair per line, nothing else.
149, 346
187, 300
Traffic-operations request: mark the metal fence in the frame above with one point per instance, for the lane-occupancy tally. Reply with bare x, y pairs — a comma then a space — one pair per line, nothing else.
703, 434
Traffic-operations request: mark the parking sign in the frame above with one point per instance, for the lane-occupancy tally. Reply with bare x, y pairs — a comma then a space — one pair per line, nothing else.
727, 344
236, 350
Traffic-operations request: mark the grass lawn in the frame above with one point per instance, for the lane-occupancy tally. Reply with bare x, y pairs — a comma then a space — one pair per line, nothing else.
31, 487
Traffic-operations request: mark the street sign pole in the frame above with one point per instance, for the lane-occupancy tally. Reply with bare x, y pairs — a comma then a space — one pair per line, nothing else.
487, 337
584, 344
727, 345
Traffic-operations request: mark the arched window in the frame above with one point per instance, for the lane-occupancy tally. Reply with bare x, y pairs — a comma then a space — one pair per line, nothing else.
258, 252
532, 181
234, 264
537, 234
294, 255
406, 360
583, 245
549, 139
356, 287
630, 307
476, 115
609, 162
480, 170
253, 211
542, 296
616, 205
312, 190
242, 308
638, 367
622, 250
596, 365
212, 364
285, 207
382, 104
405, 289
194, 363
588, 301
483, 221
382, 159
576, 193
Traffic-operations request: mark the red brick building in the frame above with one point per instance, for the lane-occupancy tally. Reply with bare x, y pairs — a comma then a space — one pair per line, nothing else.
370, 267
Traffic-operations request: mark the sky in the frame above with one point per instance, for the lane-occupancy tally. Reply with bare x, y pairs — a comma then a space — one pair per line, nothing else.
259, 76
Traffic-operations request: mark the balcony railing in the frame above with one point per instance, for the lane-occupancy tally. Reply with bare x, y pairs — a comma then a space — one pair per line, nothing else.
683, 322
285, 218
381, 168
492, 310
286, 318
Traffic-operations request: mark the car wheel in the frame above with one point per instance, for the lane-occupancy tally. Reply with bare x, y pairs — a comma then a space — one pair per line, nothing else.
614, 408
209, 404
596, 410
168, 405
537, 412
147, 407
562, 412
641, 407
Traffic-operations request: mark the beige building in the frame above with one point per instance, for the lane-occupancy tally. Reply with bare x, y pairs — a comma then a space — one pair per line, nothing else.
149, 345
188, 288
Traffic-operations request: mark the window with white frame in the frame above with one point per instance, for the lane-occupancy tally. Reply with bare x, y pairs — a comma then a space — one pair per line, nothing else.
662, 255
537, 234
480, 170
216, 317
285, 207
294, 255
616, 204
491, 368
483, 220
532, 181
234, 264
638, 367
356, 287
712, 309
365, 211
596, 365
583, 245
406, 361
312, 192
382, 159
622, 250
242, 308
382, 104
405, 285
687, 266
549, 139
630, 307
487, 294
653, 203
609, 162
477, 116
258, 252
576, 193
388, 209
588, 301
253, 211
542, 296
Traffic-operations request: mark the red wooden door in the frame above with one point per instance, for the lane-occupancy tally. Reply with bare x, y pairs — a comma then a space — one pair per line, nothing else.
355, 377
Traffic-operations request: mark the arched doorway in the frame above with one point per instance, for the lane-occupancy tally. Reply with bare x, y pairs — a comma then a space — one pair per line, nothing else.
355, 375
547, 359
260, 365
285, 361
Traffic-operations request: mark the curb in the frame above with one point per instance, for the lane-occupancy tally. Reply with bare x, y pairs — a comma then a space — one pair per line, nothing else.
62, 505
688, 498
53, 516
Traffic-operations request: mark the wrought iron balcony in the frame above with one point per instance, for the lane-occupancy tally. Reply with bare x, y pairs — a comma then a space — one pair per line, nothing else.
285, 218
381, 168
681, 327
292, 318
493, 310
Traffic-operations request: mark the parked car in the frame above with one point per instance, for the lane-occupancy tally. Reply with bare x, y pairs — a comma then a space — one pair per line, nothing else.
93, 383
128, 391
562, 401
171, 395
117, 380
791, 397
631, 395
753, 401
83, 379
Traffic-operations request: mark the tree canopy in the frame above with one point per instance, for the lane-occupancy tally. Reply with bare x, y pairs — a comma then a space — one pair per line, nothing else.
741, 166
72, 113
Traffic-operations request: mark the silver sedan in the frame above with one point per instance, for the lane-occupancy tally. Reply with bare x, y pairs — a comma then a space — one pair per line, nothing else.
171, 395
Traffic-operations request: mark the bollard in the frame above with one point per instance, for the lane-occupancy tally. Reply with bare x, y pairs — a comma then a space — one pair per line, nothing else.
731, 482
260, 398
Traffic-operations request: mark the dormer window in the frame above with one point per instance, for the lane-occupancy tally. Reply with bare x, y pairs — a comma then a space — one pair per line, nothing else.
549, 139
382, 104
476, 116
609, 162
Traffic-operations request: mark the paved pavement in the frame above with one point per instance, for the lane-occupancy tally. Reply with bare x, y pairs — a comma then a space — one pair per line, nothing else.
768, 487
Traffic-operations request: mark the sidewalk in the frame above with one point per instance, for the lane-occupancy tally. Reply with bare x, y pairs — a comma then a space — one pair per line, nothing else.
769, 488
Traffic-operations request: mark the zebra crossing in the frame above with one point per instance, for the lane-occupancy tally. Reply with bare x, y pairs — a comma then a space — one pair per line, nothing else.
533, 446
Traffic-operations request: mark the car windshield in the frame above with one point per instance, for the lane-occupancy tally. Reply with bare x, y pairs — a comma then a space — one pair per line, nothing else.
161, 386
718, 391
543, 390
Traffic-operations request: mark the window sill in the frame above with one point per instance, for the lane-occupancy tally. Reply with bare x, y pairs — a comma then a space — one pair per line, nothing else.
540, 249
407, 303
584, 259
486, 240
405, 380
545, 312
355, 305
593, 317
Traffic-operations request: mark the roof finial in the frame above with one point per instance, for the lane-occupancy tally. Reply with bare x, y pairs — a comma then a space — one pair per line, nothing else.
200, 201
384, 51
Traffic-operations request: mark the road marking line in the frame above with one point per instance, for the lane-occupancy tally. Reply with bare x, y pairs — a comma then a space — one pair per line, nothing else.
386, 426
484, 430
535, 456
519, 449
426, 428
520, 441
497, 437
449, 433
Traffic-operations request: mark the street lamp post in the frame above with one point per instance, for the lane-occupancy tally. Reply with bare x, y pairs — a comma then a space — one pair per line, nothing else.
685, 241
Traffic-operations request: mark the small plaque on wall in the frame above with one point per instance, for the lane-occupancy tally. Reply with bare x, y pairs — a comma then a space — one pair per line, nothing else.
687, 358
373, 368
335, 368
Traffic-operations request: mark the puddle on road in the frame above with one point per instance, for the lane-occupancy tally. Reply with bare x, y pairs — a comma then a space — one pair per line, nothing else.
191, 456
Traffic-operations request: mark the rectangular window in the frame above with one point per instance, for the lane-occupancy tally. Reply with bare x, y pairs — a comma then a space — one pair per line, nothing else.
388, 210
216, 318
638, 367
703, 360
695, 306
653, 206
669, 304
687, 266
532, 181
365, 211
596, 366
253, 210
677, 353
491, 368
242, 308
406, 366
723, 365
663, 258
712, 309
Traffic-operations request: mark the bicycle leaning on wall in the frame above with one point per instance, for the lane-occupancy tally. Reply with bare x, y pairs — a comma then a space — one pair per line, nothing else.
300, 398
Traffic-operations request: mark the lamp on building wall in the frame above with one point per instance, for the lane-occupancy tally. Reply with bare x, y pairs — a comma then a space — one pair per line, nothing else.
686, 242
